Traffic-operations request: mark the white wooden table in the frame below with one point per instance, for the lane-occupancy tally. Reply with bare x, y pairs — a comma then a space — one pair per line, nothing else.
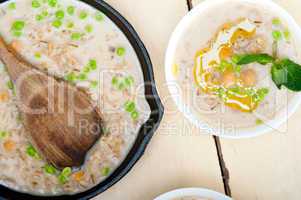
265, 168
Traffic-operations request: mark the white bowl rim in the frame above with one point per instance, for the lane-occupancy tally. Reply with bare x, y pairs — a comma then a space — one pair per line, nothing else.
186, 192
176, 36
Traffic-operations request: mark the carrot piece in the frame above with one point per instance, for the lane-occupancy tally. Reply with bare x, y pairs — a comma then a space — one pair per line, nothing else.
9, 145
4, 96
78, 176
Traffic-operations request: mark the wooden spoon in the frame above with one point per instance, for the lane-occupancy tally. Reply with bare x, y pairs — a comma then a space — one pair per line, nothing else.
60, 118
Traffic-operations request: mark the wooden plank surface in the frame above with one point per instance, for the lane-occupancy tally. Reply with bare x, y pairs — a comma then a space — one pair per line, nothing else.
267, 167
178, 155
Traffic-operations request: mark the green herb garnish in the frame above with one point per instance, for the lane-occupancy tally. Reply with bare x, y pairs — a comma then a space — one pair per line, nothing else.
60, 14
94, 84
12, 6
64, 175
284, 72
287, 73
105, 171
52, 3
93, 64
71, 77
76, 36
70, 10
251, 58
98, 16
83, 15
82, 77
57, 23
277, 35
10, 85
32, 152
3, 134
35, 4
18, 25
129, 106
39, 17
49, 169
135, 115
287, 34
89, 28
120, 51
276, 21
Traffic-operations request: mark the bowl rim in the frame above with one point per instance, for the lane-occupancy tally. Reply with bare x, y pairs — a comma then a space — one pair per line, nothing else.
176, 36
146, 131
186, 192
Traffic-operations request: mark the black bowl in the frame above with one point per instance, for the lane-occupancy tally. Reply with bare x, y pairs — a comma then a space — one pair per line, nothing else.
146, 131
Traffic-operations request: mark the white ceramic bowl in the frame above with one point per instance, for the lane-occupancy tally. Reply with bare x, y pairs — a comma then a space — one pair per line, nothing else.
280, 118
197, 192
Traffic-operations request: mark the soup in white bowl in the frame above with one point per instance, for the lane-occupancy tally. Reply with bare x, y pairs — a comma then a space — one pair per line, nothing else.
233, 66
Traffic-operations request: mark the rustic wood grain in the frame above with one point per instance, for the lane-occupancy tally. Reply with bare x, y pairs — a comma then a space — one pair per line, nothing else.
178, 156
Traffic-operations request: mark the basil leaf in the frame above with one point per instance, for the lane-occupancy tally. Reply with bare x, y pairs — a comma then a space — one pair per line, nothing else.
287, 73
251, 58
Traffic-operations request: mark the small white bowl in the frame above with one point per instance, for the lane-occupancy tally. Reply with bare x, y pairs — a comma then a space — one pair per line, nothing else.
280, 118
197, 192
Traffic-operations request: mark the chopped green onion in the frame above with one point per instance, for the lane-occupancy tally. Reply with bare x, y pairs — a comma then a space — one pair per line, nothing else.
287, 34
120, 51
12, 6
89, 28
49, 169
35, 4
76, 36
259, 122
237, 68
277, 35
70, 25
130, 106
57, 23
115, 81
10, 85
70, 10
52, 3
86, 69
62, 179
18, 25
39, 17
135, 115
121, 86
83, 15
129, 80
94, 84
60, 14
71, 77
98, 16
235, 59
32, 152
3, 134
45, 13
66, 171
276, 21
105, 171
17, 33
37, 55
82, 77
93, 64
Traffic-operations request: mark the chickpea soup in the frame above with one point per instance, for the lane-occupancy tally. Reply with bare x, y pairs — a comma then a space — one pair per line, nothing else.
230, 63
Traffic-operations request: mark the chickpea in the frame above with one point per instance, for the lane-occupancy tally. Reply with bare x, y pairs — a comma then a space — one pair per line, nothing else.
228, 79
248, 77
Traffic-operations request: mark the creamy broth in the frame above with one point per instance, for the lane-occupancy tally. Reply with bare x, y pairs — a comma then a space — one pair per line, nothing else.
71, 40
211, 28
